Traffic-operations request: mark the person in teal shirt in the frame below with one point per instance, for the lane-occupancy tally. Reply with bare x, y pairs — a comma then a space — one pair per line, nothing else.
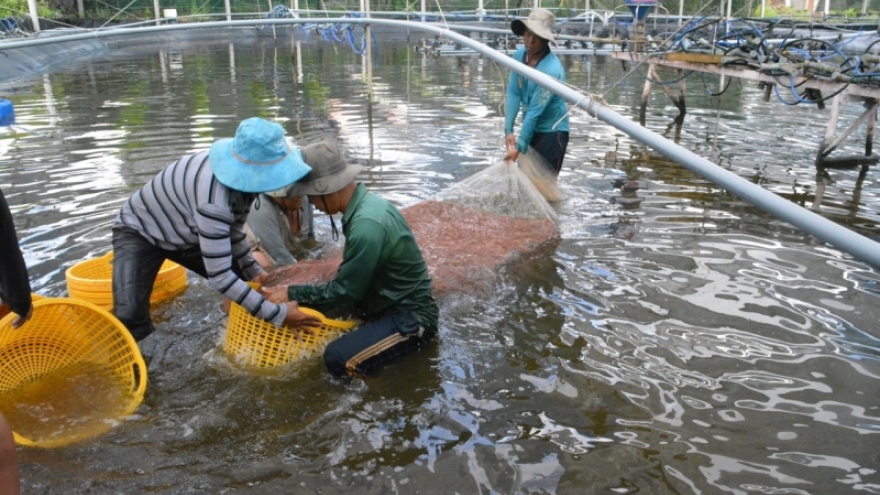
383, 276
545, 115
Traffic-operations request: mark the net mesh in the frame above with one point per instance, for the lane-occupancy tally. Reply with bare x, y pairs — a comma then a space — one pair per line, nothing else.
541, 174
466, 233
502, 189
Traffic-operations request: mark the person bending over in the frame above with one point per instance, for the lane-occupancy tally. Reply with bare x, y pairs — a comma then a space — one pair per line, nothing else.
383, 275
277, 225
193, 213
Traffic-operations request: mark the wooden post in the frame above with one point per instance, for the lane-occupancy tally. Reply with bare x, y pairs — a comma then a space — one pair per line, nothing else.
820, 191
768, 90
368, 54
646, 92
678, 101
830, 129
869, 137
232, 64
682, 108
274, 35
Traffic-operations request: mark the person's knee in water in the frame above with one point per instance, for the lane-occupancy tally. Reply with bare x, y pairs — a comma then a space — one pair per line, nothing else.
374, 343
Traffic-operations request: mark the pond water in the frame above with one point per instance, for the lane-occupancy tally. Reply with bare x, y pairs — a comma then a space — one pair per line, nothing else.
677, 340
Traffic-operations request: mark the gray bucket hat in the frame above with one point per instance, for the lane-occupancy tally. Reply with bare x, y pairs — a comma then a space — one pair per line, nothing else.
330, 172
540, 22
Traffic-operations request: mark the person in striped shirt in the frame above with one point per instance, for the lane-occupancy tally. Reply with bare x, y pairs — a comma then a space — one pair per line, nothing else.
193, 213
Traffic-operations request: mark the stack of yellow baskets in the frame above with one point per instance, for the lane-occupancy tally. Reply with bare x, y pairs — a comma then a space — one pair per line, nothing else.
256, 343
69, 373
92, 280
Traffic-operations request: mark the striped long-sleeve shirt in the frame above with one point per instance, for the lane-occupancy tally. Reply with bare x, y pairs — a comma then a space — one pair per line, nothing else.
185, 206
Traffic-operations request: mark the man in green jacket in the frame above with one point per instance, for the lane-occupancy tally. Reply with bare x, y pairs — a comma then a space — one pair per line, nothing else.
383, 275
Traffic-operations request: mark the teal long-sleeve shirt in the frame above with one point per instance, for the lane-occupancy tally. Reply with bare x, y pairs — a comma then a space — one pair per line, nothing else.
541, 109
382, 268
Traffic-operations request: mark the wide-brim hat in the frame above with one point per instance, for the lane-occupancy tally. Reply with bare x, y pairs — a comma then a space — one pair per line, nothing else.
540, 22
258, 159
330, 170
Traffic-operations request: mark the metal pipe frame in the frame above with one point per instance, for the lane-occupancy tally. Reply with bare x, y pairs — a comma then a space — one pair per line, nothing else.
836, 235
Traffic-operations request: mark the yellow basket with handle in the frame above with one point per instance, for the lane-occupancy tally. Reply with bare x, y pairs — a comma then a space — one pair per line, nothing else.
92, 280
256, 343
68, 374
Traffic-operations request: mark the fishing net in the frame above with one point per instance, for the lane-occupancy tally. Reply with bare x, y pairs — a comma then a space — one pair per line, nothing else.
503, 189
467, 233
536, 168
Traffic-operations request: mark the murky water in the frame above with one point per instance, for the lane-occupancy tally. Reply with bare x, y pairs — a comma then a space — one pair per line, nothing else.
70, 403
678, 340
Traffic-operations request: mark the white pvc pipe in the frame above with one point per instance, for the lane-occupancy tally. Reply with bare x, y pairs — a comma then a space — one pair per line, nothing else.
35, 18
158, 12
838, 236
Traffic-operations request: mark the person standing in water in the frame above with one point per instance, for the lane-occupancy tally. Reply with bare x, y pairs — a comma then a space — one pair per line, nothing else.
545, 115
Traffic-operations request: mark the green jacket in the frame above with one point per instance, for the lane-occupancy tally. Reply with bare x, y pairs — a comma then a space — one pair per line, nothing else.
382, 268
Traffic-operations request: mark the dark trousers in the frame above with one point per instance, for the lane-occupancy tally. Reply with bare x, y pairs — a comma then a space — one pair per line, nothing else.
375, 342
551, 146
136, 262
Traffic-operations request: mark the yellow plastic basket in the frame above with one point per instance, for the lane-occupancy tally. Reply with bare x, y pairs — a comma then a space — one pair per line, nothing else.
256, 343
92, 280
68, 374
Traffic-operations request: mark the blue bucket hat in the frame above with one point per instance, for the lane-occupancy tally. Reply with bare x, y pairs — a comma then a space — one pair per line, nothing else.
258, 159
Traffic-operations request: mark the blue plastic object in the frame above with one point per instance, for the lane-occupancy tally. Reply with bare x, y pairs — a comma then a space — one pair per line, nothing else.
640, 8
7, 113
